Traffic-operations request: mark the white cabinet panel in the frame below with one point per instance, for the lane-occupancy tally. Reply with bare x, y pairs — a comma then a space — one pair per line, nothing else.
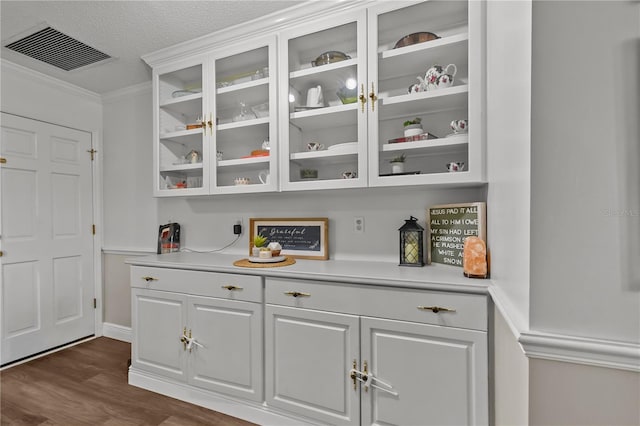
308, 356
439, 374
158, 321
230, 358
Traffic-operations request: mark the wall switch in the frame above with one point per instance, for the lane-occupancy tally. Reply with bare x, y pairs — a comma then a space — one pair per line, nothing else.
358, 224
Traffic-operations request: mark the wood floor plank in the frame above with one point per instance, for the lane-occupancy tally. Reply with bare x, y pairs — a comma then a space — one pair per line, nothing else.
87, 385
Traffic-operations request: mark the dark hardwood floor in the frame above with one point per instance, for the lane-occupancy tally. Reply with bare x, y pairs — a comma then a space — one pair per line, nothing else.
87, 385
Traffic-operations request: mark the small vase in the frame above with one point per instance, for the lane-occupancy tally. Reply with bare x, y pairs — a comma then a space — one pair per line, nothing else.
255, 251
397, 167
413, 130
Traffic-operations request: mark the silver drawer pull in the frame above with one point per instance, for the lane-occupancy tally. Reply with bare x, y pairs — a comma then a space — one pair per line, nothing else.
435, 309
296, 294
231, 287
148, 279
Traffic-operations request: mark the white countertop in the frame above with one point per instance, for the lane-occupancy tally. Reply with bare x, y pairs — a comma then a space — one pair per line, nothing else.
429, 277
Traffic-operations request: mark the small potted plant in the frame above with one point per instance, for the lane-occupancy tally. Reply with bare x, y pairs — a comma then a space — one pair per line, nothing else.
413, 127
397, 163
258, 242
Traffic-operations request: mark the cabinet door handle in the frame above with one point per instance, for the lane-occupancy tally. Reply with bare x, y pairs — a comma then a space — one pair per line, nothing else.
296, 294
353, 375
435, 309
373, 97
3, 160
231, 287
362, 97
149, 279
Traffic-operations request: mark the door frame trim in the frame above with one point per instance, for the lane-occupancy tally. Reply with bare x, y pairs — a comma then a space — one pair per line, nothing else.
96, 174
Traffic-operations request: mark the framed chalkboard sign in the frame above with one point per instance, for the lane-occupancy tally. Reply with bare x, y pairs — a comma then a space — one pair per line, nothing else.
449, 225
302, 238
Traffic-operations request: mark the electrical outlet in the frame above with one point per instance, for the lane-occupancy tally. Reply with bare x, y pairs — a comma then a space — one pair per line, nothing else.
358, 224
237, 229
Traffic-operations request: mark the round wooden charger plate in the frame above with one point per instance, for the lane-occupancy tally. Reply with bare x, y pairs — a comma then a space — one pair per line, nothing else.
244, 263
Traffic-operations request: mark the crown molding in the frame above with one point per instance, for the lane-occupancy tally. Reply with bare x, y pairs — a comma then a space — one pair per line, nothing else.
126, 92
296, 15
50, 81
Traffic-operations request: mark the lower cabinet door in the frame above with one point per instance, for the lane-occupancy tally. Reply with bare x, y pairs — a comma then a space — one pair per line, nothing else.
158, 319
226, 355
430, 375
308, 358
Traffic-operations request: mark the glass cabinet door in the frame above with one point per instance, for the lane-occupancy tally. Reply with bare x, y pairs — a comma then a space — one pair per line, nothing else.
323, 121
424, 69
181, 145
245, 119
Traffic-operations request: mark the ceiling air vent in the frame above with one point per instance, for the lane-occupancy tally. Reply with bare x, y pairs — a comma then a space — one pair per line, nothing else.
55, 48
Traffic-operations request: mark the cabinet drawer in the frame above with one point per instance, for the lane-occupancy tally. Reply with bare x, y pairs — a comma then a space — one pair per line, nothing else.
465, 310
200, 283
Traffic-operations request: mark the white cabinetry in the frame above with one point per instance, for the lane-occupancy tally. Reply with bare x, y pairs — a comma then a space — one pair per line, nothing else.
366, 127
425, 351
459, 26
308, 353
308, 63
181, 148
200, 328
212, 116
231, 90
245, 111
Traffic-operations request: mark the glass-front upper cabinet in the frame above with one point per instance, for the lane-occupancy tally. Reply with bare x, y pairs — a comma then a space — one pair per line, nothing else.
181, 148
244, 116
425, 65
323, 118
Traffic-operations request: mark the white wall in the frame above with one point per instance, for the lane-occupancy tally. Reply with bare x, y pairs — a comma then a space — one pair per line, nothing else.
207, 221
510, 375
31, 94
129, 206
585, 184
508, 154
572, 394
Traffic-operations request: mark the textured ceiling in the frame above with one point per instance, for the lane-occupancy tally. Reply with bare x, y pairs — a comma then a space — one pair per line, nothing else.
125, 30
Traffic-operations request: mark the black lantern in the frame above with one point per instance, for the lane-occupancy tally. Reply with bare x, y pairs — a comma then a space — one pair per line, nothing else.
411, 243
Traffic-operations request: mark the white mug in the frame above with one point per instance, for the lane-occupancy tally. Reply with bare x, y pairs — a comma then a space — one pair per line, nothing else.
314, 97
265, 177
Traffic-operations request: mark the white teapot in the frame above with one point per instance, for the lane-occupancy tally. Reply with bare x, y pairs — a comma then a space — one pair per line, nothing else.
437, 77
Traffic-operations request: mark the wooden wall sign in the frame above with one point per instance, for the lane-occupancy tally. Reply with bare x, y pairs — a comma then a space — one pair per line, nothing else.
302, 238
449, 225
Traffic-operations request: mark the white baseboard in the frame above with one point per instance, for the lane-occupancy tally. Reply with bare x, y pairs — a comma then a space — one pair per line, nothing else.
117, 332
249, 411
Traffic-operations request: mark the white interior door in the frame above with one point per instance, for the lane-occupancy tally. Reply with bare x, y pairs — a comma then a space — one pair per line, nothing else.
46, 215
